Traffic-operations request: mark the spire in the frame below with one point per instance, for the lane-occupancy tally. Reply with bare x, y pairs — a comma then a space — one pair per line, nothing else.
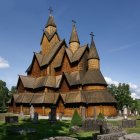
93, 54
74, 35
50, 21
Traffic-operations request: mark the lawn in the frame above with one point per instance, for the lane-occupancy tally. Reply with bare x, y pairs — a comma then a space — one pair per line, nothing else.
44, 130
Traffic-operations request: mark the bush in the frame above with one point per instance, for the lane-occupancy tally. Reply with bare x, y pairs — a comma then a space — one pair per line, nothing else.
100, 116
76, 119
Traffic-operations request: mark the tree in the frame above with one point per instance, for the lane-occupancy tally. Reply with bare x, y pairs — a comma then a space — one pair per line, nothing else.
76, 119
13, 89
3, 95
122, 94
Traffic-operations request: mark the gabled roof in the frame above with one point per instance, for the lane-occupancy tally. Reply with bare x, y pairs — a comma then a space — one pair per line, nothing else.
27, 81
74, 78
50, 22
73, 57
94, 76
49, 36
48, 57
72, 97
93, 54
44, 81
74, 35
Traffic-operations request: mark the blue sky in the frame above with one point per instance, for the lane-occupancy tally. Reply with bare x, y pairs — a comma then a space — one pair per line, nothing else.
115, 23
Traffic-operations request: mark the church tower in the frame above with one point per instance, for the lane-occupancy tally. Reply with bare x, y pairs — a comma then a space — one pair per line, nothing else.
50, 36
93, 57
74, 40
50, 26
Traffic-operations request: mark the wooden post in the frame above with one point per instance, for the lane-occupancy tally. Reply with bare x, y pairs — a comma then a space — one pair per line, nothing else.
43, 110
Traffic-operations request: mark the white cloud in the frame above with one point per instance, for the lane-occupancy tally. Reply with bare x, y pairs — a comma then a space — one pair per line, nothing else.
110, 81
123, 47
4, 63
135, 89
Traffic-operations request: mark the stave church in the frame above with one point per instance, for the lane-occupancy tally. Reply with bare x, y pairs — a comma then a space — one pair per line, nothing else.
64, 76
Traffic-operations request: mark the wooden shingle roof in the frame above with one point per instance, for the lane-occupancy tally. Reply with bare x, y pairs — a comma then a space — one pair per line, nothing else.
93, 54
38, 98
73, 57
44, 81
94, 76
99, 96
50, 22
74, 35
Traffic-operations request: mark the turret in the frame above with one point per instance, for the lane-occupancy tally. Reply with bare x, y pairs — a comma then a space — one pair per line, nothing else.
93, 57
50, 26
74, 40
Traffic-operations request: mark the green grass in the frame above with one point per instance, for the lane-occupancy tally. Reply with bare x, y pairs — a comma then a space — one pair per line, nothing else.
128, 130
44, 130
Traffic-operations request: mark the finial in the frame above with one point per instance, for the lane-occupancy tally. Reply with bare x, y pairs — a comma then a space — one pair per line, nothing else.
74, 22
50, 10
92, 35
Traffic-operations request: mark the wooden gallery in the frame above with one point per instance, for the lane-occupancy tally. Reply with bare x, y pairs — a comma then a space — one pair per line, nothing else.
66, 77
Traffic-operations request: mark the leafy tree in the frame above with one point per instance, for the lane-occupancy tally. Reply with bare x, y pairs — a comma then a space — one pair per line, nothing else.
3, 95
76, 119
122, 94
13, 89
136, 105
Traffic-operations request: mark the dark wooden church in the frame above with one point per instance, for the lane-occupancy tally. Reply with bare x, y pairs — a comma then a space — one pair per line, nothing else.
65, 76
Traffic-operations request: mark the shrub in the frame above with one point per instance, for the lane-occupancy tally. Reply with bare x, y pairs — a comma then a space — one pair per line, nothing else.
76, 119
100, 116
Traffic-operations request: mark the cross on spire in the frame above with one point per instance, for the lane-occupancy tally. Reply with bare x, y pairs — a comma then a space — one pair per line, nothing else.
50, 10
74, 22
92, 35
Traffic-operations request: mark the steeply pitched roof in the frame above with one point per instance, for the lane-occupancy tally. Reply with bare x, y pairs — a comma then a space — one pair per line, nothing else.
73, 57
27, 81
48, 57
74, 35
94, 77
44, 81
72, 97
50, 22
74, 78
93, 54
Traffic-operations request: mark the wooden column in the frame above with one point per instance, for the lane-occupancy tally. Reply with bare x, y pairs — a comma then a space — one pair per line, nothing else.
43, 110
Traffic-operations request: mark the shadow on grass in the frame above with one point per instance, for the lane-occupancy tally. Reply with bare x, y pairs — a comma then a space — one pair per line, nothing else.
44, 129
